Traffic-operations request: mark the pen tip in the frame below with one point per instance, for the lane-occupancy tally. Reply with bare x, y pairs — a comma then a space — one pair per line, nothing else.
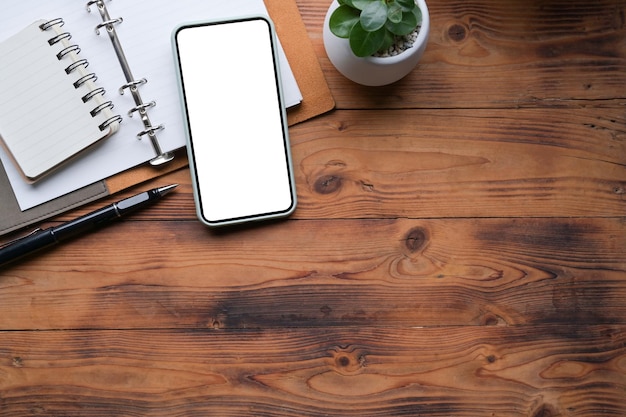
164, 190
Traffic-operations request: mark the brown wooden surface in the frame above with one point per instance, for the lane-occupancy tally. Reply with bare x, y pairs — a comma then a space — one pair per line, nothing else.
459, 249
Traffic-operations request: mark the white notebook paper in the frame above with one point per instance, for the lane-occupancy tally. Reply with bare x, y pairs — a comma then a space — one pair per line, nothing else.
50, 107
145, 35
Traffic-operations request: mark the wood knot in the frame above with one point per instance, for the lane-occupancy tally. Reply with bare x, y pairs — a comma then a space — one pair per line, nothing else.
490, 319
326, 310
545, 411
328, 184
343, 361
342, 125
416, 239
457, 32
349, 361
349, 364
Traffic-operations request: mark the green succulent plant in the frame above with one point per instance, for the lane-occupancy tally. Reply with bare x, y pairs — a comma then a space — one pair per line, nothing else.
372, 25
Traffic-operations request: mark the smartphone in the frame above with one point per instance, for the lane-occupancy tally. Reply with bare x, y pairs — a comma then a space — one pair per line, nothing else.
236, 124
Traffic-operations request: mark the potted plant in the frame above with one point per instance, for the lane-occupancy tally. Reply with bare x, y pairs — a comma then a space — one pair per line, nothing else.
376, 42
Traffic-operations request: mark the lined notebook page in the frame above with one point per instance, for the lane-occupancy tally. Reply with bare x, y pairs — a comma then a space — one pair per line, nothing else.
44, 120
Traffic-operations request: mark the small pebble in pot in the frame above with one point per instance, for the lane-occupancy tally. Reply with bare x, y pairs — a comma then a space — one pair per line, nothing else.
401, 44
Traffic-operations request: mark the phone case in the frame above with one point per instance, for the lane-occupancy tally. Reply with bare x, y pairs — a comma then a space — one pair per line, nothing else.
215, 204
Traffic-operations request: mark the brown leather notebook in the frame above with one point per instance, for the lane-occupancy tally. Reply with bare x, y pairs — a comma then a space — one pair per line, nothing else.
316, 99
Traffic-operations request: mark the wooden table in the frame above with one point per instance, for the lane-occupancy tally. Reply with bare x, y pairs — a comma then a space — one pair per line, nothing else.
458, 250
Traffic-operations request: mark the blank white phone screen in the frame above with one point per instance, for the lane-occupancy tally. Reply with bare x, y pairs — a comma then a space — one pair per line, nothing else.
236, 127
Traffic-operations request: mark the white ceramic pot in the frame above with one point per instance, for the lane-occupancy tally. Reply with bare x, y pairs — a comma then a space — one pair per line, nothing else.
374, 71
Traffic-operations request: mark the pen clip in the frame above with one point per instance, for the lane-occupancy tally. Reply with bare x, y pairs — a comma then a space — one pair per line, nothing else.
9, 243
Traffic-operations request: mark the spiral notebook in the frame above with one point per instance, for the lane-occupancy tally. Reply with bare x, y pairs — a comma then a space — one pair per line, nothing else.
144, 31
51, 108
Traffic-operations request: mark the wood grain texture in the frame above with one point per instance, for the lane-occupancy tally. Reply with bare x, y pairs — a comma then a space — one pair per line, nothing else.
325, 274
480, 163
457, 250
495, 54
463, 371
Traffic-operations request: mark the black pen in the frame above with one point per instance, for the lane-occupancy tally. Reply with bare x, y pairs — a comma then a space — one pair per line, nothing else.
40, 239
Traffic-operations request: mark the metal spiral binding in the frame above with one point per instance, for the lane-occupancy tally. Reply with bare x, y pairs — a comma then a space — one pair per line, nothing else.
108, 122
132, 84
76, 63
65, 51
54, 22
82, 80
92, 94
59, 38
72, 67
99, 108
